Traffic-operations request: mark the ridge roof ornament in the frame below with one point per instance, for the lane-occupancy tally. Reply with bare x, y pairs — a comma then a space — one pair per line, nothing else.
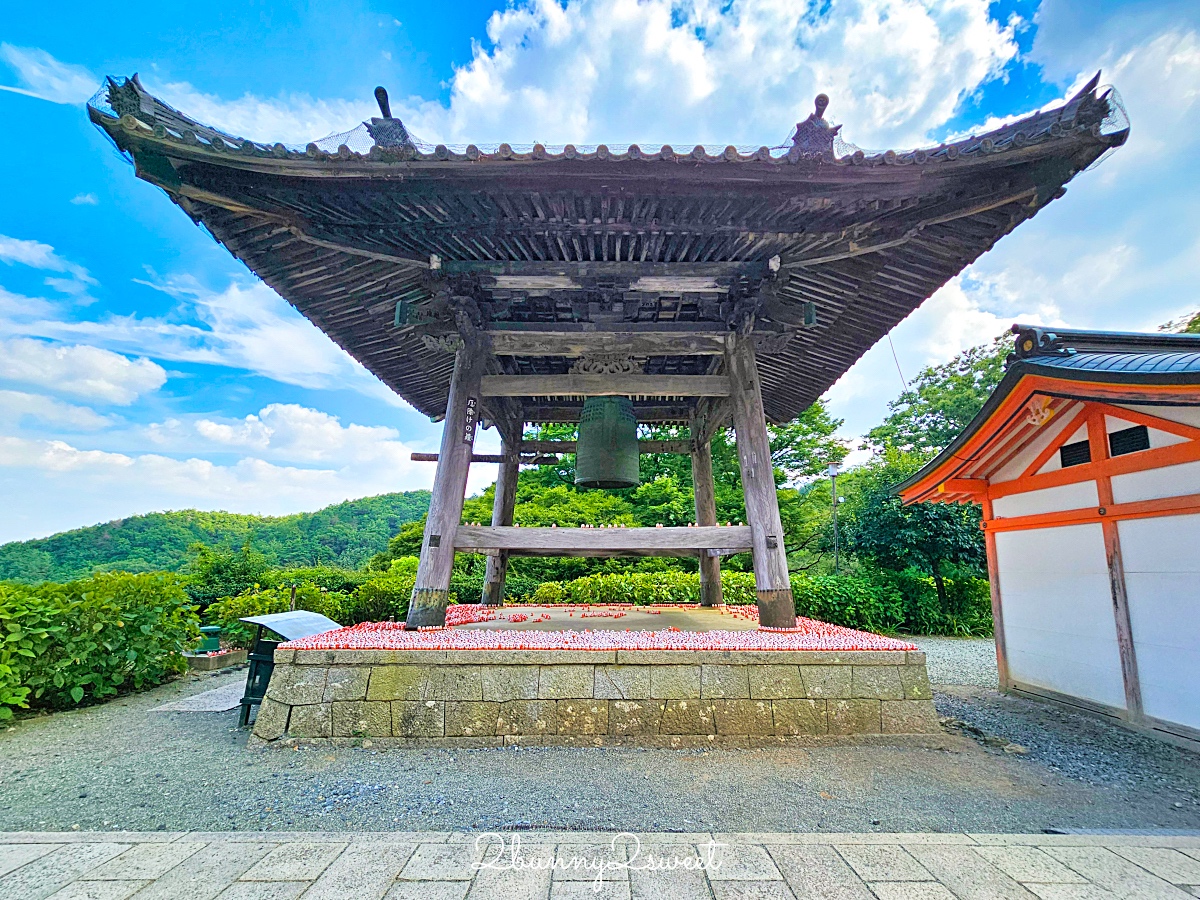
387, 132
814, 136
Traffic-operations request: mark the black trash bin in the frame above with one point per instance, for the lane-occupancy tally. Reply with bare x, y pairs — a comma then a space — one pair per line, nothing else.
288, 626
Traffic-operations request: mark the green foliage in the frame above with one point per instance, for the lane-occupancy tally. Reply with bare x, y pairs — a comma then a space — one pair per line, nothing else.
92, 638
642, 588
806, 445
384, 596
217, 572
928, 536
941, 400
260, 601
967, 610
346, 535
329, 578
848, 600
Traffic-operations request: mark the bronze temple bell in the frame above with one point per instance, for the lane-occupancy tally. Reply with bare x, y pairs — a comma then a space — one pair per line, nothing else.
606, 455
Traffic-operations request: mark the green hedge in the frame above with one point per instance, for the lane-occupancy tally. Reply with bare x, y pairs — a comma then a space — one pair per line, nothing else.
967, 612
848, 600
63, 644
875, 601
642, 588
372, 598
261, 601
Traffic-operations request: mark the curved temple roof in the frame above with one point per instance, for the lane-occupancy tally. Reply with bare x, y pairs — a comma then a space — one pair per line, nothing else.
554, 261
1062, 367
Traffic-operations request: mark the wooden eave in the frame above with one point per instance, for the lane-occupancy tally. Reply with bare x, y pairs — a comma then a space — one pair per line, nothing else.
1028, 399
862, 240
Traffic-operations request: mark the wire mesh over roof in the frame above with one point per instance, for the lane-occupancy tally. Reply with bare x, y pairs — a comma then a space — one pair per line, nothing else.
814, 248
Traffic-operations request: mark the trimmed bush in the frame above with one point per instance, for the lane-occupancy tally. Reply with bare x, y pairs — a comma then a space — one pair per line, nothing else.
877, 601
642, 588
329, 578
968, 609
850, 601
261, 601
384, 595
64, 644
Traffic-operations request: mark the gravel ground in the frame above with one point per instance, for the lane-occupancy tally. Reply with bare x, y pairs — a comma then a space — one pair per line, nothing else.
124, 766
959, 660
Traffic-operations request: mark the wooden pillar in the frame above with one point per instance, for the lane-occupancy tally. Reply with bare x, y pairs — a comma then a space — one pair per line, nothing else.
431, 593
993, 564
776, 608
1098, 444
706, 514
502, 514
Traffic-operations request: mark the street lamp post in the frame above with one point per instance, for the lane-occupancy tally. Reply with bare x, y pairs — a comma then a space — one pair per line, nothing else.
833, 471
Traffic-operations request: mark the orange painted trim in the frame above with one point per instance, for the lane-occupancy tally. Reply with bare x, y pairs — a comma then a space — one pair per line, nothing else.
1155, 458
969, 486
1098, 442
1186, 505
1012, 443
1179, 429
1055, 445
1063, 388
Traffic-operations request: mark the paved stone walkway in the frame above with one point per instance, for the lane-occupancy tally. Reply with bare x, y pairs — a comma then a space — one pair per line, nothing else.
570, 865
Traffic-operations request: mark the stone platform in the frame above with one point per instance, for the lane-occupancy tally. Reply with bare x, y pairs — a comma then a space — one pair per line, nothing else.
647, 697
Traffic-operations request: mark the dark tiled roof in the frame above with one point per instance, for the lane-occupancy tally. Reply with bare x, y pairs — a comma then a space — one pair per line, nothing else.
1097, 357
1114, 353
393, 250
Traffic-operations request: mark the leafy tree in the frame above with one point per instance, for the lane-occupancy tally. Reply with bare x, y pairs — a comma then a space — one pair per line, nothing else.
929, 536
805, 446
217, 572
1185, 325
941, 400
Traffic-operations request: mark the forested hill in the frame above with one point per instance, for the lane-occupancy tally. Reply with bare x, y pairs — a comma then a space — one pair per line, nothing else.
346, 534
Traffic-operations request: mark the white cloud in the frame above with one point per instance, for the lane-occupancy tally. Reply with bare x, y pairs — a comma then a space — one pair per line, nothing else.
88, 199
17, 406
37, 255
730, 72
1120, 251
290, 118
296, 459
673, 70
245, 326
85, 371
297, 433
41, 75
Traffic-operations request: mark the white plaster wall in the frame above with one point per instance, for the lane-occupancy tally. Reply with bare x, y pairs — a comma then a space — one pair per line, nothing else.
1188, 415
1047, 433
1059, 630
1162, 581
1067, 496
1154, 484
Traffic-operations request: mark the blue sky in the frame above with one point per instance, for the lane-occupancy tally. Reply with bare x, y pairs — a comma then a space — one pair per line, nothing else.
142, 368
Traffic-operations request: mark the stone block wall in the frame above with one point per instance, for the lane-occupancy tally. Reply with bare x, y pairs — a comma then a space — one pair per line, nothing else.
644, 697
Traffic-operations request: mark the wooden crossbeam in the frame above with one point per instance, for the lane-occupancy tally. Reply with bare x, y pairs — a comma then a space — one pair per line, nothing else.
604, 386
608, 268
537, 452
603, 541
525, 459
574, 343
569, 446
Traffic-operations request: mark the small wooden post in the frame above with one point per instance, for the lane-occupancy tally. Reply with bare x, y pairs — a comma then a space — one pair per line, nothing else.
502, 514
706, 514
431, 592
1098, 444
776, 607
993, 564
